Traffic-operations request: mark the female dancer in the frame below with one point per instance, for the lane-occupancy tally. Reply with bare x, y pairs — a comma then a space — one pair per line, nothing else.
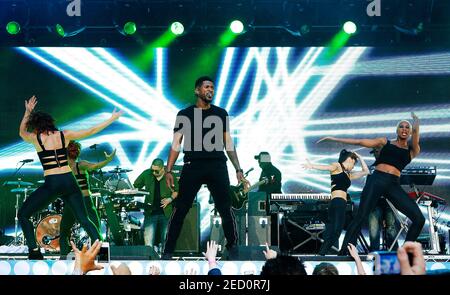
341, 177
80, 169
385, 180
51, 146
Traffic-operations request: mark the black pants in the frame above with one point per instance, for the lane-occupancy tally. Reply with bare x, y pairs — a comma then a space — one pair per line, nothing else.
387, 185
336, 222
65, 187
214, 174
68, 220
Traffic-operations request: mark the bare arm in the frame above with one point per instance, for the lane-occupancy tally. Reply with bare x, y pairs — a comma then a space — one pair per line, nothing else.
232, 155
354, 253
79, 134
365, 169
29, 107
88, 166
415, 136
330, 167
369, 143
173, 156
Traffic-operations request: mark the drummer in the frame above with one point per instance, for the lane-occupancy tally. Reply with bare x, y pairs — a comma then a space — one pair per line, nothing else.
160, 197
80, 169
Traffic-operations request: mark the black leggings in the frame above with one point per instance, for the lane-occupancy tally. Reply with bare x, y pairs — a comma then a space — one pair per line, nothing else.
384, 184
65, 187
68, 220
214, 174
336, 221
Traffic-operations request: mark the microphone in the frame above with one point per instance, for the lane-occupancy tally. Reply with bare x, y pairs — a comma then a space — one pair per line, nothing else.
26, 161
94, 146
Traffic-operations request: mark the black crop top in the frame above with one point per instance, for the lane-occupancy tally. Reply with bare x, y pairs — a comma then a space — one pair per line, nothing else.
395, 156
340, 181
82, 179
59, 155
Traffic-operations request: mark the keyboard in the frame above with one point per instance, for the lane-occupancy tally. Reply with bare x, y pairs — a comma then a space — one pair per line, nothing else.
300, 197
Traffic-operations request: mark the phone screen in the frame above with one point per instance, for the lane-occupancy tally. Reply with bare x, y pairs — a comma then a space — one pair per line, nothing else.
386, 263
103, 255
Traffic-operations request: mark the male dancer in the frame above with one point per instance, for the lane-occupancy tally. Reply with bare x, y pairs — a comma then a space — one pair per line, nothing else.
205, 130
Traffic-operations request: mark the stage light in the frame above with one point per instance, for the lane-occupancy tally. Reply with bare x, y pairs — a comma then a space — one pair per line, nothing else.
350, 27
129, 28
177, 28
237, 27
59, 30
13, 28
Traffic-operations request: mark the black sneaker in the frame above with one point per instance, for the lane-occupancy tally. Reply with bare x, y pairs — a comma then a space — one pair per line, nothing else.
35, 255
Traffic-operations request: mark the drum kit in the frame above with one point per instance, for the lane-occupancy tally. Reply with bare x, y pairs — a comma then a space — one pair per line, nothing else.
119, 206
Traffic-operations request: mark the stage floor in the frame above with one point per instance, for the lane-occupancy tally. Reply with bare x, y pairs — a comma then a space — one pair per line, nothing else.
18, 265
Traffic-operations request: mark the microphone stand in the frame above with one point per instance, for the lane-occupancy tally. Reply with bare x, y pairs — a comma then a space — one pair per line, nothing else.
15, 173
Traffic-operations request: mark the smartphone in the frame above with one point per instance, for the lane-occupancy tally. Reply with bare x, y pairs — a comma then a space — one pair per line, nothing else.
104, 254
386, 263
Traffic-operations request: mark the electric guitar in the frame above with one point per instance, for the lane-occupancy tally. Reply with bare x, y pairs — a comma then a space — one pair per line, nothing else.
239, 195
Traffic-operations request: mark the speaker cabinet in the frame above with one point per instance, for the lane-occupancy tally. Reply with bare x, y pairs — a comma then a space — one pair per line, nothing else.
259, 230
257, 204
189, 239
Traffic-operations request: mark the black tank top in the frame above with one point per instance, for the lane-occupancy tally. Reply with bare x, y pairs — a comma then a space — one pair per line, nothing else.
395, 156
59, 155
341, 181
82, 179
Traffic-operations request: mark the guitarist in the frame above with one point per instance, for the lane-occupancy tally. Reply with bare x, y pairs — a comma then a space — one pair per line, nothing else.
161, 196
270, 172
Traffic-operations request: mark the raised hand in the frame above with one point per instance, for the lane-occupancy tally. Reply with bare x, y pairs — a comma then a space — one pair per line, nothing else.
85, 259
418, 261
211, 251
121, 270
269, 253
110, 156
30, 104
116, 114
353, 251
307, 165
154, 270
415, 118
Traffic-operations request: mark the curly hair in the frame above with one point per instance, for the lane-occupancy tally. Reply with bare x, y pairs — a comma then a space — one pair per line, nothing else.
73, 149
40, 122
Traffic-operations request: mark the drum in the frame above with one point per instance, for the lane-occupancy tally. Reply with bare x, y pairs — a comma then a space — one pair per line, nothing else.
47, 232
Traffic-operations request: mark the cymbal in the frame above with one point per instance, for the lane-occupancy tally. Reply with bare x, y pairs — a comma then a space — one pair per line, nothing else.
119, 170
23, 189
18, 183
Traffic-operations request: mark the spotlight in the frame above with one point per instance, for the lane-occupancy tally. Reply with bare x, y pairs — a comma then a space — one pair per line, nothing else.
129, 28
13, 28
177, 28
62, 24
350, 27
14, 16
237, 27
